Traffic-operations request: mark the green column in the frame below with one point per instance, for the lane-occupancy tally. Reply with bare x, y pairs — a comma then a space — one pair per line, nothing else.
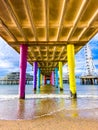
39, 77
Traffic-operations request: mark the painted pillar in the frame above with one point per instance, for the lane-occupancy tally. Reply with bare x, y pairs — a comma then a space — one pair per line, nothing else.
23, 65
56, 77
52, 78
71, 67
39, 77
60, 76
44, 79
35, 75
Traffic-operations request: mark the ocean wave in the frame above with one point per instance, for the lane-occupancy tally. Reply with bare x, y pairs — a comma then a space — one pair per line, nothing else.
7, 97
34, 96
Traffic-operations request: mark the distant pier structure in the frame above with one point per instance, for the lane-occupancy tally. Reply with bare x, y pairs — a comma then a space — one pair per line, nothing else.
13, 79
90, 75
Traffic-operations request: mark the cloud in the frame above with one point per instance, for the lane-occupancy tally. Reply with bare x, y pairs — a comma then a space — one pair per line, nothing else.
9, 59
95, 61
5, 64
95, 38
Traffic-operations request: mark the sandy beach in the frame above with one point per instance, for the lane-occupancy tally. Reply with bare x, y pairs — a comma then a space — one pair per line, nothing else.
49, 113
56, 121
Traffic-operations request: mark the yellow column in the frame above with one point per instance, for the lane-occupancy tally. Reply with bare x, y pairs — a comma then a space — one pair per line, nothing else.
60, 76
71, 67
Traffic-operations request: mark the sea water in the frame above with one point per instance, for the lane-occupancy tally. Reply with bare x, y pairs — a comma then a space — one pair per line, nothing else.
38, 104
82, 90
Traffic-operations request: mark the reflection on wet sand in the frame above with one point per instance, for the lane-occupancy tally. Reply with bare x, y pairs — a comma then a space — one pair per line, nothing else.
74, 106
34, 108
31, 108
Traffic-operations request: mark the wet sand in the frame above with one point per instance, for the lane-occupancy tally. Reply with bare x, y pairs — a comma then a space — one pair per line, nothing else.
48, 113
52, 122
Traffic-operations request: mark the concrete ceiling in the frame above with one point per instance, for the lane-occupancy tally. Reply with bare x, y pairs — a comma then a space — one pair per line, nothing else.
47, 26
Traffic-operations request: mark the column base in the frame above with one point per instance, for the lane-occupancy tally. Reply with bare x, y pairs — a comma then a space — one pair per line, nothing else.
21, 97
74, 96
34, 89
61, 89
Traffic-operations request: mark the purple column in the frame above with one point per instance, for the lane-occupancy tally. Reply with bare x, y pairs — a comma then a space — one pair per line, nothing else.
23, 65
35, 75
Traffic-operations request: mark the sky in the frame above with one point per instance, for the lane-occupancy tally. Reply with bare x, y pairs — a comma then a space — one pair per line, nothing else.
9, 58
80, 56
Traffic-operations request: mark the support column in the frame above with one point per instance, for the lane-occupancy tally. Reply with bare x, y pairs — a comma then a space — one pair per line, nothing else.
60, 76
39, 77
56, 77
71, 67
35, 75
52, 77
23, 65
44, 79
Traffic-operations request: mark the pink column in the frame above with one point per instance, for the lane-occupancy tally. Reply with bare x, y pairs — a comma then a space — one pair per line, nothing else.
44, 79
52, 77
23, 65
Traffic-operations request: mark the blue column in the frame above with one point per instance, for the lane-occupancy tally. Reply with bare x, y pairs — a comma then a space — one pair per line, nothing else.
35, 75
56, 77
39, 72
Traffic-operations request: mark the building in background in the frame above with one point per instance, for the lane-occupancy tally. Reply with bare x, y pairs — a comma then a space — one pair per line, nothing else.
13, 78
